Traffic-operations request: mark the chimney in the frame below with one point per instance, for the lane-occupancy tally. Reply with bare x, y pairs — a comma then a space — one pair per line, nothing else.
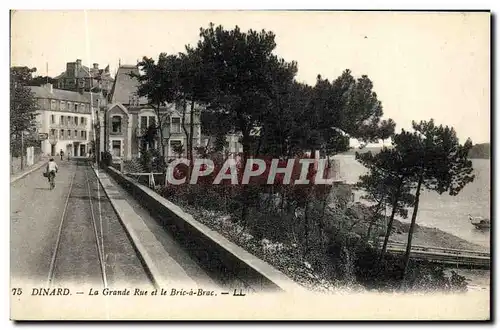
78, 64
96, 66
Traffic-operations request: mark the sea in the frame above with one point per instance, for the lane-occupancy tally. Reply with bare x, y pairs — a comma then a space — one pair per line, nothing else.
445, 212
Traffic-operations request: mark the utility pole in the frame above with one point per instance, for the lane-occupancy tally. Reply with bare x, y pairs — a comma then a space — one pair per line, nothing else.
22, 150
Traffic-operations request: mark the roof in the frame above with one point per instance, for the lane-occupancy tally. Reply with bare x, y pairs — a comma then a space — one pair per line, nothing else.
84, 72
125, 86
63, 95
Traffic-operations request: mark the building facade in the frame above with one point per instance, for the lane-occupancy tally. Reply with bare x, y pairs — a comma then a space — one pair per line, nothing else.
66, 117
78, 77
128, 117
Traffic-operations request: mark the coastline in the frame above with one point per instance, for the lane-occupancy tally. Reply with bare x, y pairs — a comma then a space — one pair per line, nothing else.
435, 237
288, 258
477, 279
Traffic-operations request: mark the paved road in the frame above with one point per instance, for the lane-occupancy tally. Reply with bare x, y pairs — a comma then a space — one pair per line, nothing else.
90, 231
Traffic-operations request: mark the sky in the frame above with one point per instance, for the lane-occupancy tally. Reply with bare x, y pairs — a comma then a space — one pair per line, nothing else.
423, 65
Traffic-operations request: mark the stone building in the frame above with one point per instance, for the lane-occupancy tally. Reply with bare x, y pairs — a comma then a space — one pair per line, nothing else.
78, 77
128, 116
66, 117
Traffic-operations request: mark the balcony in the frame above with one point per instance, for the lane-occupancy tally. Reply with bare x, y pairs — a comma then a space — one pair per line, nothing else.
68, 126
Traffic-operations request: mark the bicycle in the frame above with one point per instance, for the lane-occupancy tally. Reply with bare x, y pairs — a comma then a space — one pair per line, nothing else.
52, 176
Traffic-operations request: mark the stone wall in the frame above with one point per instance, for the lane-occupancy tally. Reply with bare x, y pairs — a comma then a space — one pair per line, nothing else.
15, 162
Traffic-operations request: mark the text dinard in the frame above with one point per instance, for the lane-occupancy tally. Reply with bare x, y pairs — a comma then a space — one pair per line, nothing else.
124, 292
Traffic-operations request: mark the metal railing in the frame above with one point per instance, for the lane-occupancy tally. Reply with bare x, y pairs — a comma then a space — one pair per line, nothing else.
438, 250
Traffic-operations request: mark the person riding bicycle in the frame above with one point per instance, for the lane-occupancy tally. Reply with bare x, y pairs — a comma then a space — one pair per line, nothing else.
51, 170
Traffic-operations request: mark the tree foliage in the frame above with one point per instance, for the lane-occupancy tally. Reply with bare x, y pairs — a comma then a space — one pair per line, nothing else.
159, 82
388, 182
23, 106
249, 91
42, 80
437, 162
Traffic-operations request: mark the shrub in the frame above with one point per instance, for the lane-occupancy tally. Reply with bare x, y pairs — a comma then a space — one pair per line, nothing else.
107, 158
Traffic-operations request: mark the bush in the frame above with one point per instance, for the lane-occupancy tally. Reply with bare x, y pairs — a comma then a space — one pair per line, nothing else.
107, 158
421, 275
132, 166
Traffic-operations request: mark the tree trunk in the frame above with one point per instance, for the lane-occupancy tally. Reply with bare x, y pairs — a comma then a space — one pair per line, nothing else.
183, 124
283, 192
326, 194
372, 220
207, 146
246, 153
391, 220
160, 128
412, 225
321, 223
306, 228
22, 150
191, 132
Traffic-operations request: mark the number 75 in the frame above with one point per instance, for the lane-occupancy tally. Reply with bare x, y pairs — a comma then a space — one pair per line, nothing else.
17, 291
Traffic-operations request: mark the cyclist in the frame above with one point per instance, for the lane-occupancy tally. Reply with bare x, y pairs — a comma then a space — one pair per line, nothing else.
51, 171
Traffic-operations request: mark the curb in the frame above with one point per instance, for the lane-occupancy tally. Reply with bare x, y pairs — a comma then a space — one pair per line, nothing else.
148, 262
36, 167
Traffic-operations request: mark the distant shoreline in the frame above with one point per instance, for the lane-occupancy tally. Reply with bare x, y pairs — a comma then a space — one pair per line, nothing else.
428, 236
435, 237
478, 151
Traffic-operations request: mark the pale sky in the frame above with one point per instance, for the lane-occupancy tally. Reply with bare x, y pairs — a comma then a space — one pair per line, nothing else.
423, 65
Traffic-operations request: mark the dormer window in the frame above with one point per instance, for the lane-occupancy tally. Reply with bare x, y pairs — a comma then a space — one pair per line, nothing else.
116, 124
175, 125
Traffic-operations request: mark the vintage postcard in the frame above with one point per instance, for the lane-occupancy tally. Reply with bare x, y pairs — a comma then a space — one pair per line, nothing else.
250, 165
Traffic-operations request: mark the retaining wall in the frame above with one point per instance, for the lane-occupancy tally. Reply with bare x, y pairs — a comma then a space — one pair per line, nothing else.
213, 251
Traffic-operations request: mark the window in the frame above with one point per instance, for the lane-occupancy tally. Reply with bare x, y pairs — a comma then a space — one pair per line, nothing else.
52, 132
76, 133
69, 120
63, 105
69, 133
175, 127
116, 148
152, 121
144, 122
52, 104
82, 134
69, 106
61, 133
81, 120
61, 120
76, 120
116, 124
52, 119
175, 147
76, 107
